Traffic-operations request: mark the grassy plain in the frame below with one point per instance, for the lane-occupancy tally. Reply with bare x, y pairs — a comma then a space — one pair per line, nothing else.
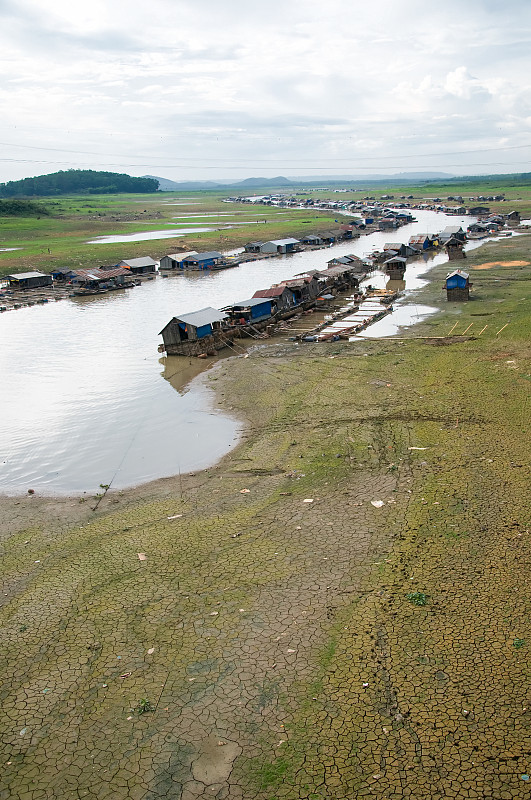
340, 609
61, 239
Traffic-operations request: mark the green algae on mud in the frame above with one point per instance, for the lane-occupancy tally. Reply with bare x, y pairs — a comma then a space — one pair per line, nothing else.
283, 626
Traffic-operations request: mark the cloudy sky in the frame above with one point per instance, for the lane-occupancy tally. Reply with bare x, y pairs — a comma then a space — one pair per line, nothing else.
211, 89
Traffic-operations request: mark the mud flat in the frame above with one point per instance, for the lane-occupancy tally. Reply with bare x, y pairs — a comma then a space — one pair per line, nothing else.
339, 609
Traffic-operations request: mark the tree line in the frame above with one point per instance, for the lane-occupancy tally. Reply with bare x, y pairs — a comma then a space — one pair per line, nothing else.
77, 181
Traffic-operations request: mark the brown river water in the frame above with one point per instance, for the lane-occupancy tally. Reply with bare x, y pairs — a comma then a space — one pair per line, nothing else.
86, 398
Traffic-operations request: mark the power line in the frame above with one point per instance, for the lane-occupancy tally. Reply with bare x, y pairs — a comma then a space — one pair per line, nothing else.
203, 159
275, 167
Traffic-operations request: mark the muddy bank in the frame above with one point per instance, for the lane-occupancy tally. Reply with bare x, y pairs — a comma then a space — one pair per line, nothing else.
338, 609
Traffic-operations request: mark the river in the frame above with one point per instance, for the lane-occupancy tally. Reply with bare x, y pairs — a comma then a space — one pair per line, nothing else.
84, 401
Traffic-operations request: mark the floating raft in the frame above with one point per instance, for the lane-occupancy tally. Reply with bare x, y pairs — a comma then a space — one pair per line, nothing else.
352, 322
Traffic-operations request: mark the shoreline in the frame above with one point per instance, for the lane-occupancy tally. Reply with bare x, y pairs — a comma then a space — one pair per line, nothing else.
424, 294
271, 624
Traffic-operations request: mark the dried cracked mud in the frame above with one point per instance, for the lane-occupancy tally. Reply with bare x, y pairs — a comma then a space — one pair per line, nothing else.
353, 625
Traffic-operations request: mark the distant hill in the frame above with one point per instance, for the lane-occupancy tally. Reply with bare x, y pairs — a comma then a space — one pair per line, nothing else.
166, 185
77, 181
251, 182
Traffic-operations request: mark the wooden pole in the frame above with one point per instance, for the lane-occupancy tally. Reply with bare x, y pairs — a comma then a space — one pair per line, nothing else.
483, 329
452, 329
467, 329
501, 329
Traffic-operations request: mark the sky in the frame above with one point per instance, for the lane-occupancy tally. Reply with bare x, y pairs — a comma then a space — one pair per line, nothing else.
210, 90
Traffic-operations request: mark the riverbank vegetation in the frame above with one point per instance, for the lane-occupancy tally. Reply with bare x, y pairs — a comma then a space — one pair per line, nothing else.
22, 208
61, 239
269, 618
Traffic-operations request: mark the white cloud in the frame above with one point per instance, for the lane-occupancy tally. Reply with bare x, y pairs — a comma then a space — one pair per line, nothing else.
232, 89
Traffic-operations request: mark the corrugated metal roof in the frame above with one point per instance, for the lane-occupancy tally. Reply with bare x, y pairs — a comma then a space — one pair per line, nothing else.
205, 316
275, 291
253, 301
24, 275
100, 274
144, 261
205, 256
180, 256
283, 241
458, 272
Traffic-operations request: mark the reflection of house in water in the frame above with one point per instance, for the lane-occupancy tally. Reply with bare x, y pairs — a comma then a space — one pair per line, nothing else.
457, 285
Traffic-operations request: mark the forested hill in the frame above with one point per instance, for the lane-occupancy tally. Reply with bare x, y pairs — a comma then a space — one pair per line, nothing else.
77, 181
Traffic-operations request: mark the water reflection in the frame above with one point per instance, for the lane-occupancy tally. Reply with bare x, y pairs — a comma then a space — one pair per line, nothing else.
83, 401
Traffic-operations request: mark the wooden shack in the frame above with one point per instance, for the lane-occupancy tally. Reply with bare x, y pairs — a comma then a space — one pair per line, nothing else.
191, 334
175, 260
312, 240
280, 246
454, 248
513, 218
208, 260
102, 278
395, 267
29, 280
256, 309
139, 266
281, 297
457, 286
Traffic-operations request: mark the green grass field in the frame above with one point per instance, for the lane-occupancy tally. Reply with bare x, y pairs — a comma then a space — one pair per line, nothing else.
61, 238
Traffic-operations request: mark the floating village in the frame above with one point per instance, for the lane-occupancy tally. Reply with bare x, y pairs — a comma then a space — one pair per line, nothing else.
272, 309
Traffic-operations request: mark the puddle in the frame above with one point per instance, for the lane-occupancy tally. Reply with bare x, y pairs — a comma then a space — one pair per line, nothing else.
144, 237
402, 316
9, 249
196, 216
